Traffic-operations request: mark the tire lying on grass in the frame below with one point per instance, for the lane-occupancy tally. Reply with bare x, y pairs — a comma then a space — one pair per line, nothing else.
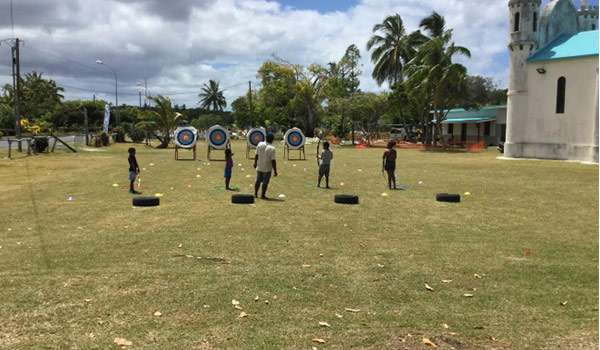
346, 199
146, 201
448, 197
242, 198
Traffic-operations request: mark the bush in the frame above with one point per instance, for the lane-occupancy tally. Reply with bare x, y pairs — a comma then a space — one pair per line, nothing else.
40, 144
104, 138
1, 134
97, 141
137, 134
119, 134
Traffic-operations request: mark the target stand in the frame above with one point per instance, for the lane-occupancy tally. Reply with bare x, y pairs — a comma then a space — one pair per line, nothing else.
185, 138
177, 148
217, 138
211, 148
294, 141
253, 138
301, 153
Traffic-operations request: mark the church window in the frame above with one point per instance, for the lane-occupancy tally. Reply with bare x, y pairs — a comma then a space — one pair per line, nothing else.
535, 22
560, 95
516, 24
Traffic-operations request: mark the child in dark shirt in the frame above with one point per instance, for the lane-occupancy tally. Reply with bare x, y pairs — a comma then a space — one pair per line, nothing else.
134, 169
228, 167
389, 163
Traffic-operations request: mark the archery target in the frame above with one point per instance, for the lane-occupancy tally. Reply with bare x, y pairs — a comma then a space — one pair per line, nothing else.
294, 138
255, 136
186, 136
217, 137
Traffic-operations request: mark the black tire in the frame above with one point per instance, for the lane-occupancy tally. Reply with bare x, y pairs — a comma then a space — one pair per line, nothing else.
448, 197
146, 201
346, 199
242, 198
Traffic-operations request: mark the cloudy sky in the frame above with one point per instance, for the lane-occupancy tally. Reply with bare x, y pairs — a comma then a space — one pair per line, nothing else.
178, 45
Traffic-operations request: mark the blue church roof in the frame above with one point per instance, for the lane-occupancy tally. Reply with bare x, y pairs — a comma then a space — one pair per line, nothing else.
565, 46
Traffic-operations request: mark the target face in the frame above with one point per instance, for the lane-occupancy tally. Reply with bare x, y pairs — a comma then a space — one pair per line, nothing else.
294, 138
218, 137
255, 136
186, 137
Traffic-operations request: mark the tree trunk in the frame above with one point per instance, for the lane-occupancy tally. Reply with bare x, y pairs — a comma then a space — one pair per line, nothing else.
352, 134
408, 133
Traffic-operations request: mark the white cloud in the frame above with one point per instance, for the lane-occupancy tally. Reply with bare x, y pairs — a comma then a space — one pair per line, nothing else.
181, 44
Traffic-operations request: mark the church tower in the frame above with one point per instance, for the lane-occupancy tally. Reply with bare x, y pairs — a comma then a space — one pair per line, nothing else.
523, 41
588, 17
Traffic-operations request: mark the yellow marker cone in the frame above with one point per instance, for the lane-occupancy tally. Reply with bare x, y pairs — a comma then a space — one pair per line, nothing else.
467, 193
384, 194
158, 194
115, 185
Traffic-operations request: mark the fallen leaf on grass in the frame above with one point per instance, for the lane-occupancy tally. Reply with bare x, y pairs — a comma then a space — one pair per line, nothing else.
256, 298
478, 327
338, 315
466, 295
381, 265
235, 302
324, 324
319, 340
428, 287
477, 276
492, 338
306, 266
266, 302
242, 315
122, 342
179, 246
87, 300
563, 303
428, 342
446, 281
445, 326
157, 313
237, 307
352, 310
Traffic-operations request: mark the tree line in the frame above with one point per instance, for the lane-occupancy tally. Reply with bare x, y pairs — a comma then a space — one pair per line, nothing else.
419, 68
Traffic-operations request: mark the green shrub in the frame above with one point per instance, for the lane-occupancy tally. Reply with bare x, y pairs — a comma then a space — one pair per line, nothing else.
104, 138
40, 144
119, 134
137, 134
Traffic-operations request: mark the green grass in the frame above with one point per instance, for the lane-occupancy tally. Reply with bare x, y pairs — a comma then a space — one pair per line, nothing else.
77, 274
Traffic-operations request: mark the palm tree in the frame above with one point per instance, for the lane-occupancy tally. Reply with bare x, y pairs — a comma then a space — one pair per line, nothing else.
393, 49
432, 68
164, 119
211, 97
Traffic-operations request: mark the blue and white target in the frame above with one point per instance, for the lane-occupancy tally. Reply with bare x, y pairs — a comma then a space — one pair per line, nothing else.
255, 136
294, 138
217, 137
186, 136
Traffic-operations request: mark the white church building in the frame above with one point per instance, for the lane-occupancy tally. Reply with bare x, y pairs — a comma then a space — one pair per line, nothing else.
552, 110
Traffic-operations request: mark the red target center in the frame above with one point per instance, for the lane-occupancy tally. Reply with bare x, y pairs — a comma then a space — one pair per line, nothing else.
218, 137
257, 138
185, 137
294, 138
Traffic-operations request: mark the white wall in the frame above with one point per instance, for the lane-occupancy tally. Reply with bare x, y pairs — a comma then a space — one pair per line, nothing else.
551, 135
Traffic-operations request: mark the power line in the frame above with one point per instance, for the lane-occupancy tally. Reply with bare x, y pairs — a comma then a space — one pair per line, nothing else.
63, 58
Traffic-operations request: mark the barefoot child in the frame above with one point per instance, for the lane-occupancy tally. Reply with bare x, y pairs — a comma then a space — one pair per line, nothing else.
325, 157
228, 167
134, 169
389, 163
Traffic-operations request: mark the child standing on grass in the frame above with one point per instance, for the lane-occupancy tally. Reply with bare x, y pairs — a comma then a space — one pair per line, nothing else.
325, 157
389, 163
134, 169
228, 167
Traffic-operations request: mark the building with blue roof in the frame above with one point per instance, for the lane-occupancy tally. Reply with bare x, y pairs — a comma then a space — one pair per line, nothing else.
552, 109
487, 124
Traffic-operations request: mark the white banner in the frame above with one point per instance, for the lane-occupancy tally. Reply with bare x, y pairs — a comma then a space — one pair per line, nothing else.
106, 117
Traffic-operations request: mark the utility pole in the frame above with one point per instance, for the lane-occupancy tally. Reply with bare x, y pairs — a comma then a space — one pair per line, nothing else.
17, 93
250, 102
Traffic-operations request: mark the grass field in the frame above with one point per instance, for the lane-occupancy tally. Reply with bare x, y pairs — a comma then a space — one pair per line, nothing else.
78, 274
